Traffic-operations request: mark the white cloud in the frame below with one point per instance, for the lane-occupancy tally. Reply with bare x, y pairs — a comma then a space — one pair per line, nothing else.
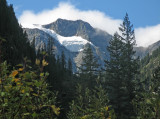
68, 11
97, 19
148, 35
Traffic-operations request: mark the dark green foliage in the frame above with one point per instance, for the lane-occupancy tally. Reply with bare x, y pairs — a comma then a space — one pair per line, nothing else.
25, 94
114, 77
32, 51
16, 45
147, 102
70, 68
91, 104
64, 83
148, 64
89, 69
130, 64
63, 61
60, 78
121, 70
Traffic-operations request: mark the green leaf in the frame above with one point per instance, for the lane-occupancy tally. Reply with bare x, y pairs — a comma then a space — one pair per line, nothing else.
46, 74
41, 74
34, 115
148, 101
25, 114
27, 94
55, 110
5, 104
2, 94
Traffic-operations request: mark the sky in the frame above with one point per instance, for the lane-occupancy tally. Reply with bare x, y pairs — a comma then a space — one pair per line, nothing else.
102, 14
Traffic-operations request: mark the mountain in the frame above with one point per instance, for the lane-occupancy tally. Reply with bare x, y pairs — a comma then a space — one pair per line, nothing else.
71, 37
41, 39
143, 51
68, 28
150, 62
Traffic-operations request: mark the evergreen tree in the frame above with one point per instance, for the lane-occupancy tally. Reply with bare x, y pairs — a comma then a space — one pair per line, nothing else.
114, 76
1, 40
91, 104
130, 63
89, 68
16, 44
50, 46
33, 43
52, 61
63, 61
122, 69
70, 67
147, 102
32, 51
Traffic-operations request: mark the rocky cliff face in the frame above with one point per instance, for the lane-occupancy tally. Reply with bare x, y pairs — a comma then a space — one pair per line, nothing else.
80, 28
68, 28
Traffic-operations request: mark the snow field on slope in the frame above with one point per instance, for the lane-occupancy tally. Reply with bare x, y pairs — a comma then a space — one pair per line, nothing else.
74, 43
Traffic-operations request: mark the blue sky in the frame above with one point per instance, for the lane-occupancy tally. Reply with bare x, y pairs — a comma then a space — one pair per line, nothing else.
103, 14
141, 12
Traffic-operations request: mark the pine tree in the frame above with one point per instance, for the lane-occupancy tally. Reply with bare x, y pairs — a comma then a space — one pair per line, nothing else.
32, 51
1, 40
51, 60
121, 70
63, 61
50, 46
33, 43
147, 102
70, 67
130, 63
89, 68
114, 76
16, 44
91, 104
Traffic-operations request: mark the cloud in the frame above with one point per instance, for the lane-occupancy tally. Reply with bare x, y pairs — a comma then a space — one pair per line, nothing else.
148, 35
68, 11
97, 19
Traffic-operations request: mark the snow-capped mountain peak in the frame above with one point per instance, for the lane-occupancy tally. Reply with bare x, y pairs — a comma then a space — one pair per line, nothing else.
72, 43
71, 37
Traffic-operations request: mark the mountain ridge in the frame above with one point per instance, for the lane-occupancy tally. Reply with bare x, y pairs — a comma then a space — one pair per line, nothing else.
67, 33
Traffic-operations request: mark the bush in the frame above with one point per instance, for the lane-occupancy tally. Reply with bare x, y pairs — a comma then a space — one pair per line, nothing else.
25, 94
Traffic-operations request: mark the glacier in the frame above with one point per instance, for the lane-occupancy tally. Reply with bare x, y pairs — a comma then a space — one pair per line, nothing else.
73, 43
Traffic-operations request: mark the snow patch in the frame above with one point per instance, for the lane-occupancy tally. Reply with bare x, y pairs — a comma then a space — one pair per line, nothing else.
74, 43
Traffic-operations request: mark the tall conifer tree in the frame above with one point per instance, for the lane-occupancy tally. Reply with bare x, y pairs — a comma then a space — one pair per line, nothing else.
16, 44
114, 76
121, 69
89, 67
130, 63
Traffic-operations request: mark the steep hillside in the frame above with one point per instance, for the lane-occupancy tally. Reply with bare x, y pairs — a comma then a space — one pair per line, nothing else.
143, 51
41, 39
149, 63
